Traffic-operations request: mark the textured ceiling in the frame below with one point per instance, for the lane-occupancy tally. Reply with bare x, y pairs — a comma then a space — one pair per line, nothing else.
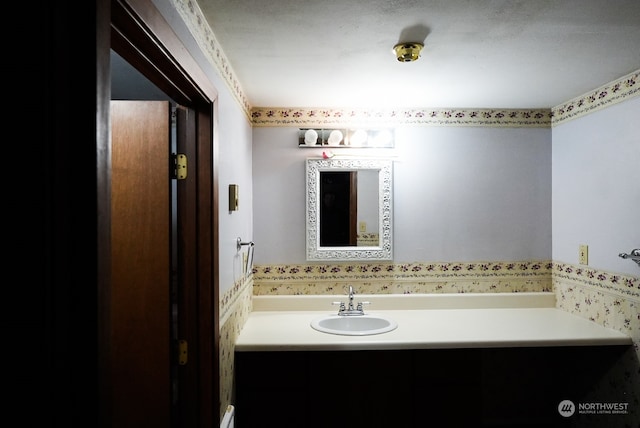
477, 54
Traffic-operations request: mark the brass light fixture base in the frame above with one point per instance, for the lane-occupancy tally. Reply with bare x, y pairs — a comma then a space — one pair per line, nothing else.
408, 52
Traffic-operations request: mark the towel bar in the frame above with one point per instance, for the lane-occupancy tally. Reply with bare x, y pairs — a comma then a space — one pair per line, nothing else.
240, 244
635, 256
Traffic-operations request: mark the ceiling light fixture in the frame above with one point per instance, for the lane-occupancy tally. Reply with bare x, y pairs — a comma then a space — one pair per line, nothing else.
408, 52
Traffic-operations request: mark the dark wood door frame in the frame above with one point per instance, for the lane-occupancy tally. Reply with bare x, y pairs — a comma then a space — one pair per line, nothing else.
137, 31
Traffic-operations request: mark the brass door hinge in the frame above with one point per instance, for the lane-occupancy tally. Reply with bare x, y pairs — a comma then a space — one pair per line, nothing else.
183, 352
179, 166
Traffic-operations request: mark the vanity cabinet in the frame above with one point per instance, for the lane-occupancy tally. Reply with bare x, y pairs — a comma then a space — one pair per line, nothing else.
476, 387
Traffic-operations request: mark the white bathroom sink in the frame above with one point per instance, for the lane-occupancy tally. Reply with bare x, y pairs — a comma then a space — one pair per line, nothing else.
354, 325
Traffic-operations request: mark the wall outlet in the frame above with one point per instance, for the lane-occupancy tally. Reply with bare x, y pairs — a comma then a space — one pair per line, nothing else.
363, 226
583, 254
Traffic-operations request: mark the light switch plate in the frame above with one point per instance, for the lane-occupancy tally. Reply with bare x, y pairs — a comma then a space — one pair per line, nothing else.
583, 254
233, 197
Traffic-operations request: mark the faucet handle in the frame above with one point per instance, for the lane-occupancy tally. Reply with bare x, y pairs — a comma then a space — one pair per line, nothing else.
342, 306
362, 303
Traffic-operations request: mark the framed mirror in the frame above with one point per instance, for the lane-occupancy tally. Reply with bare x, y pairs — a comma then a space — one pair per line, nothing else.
349, 209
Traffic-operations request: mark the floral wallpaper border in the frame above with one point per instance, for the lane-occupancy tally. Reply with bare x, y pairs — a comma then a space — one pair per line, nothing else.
270, 116
199, 28
403, 278
390, 270
235, 306
619, 90
616, 91
602, 281
417, 277
276, 279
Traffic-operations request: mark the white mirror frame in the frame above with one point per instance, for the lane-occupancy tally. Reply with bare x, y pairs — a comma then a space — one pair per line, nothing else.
384, 249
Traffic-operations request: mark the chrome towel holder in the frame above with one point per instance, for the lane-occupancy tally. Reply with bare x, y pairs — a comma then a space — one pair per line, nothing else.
240, 244
634, 255
249, 259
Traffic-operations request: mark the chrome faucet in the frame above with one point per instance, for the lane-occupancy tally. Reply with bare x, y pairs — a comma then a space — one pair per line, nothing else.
349, 309
351, 295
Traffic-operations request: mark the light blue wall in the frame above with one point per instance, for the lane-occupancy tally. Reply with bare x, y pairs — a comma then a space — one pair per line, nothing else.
596, 187
460, 194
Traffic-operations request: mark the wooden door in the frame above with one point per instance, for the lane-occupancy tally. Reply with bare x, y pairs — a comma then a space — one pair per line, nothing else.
139, 33
141, 264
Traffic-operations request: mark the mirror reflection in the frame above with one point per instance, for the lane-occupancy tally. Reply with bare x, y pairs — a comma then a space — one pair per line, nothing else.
349, 209
338, 206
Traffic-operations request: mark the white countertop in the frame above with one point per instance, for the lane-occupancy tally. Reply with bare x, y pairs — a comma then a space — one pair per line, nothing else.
470, 320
